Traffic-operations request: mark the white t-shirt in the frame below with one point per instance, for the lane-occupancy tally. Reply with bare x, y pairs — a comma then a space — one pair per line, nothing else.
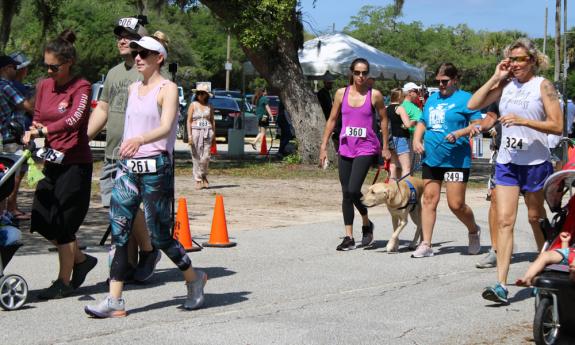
520, 144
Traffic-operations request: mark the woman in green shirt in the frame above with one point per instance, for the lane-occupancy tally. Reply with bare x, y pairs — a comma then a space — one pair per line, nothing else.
263, 112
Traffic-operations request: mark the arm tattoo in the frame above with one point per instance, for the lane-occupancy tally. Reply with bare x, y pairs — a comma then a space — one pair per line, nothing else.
550, 90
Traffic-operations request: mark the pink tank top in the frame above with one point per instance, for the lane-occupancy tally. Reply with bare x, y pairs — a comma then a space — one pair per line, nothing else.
357, 137
143, 115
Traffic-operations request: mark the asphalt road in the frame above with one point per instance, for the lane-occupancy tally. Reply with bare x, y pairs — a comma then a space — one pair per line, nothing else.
290, 286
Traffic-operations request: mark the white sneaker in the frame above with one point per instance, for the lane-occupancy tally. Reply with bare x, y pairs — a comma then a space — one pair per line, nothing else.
474, 242
489, 261
422, 251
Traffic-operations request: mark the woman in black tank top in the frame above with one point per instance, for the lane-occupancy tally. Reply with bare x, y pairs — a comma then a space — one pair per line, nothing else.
399, 136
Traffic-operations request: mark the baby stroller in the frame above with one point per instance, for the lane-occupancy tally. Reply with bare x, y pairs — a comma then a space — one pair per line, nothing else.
555, 292
13, 288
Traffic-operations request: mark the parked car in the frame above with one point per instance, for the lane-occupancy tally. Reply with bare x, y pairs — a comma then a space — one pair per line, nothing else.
97, 88
274, 105
274, 102
227, 115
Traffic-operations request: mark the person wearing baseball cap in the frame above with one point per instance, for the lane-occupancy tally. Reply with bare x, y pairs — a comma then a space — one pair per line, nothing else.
110, 112
411, 94
11, 99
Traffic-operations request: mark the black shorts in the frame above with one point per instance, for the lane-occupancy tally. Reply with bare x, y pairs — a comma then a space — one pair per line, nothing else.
61, 201
264, 122
444, 174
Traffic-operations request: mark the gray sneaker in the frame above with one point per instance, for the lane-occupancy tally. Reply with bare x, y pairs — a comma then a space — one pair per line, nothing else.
109, 307
488, 261
474, 242
195, 297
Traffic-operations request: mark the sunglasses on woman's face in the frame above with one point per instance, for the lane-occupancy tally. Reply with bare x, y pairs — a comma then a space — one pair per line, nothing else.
522, 58
360, 73
54, 68
143, 53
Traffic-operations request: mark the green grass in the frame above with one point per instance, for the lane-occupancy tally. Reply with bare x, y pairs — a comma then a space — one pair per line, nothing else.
264, 170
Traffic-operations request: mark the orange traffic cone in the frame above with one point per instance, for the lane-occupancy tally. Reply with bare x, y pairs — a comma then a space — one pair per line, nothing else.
219, 235
182, 232
264, 147
214, 149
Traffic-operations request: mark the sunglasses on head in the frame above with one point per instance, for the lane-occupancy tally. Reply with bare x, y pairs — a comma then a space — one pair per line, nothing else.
519, 58
54, 68
360, 73
143, 53
443, 82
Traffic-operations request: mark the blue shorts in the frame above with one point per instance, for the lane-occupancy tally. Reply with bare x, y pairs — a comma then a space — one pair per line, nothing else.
8, 235
565, 254
400, 145
529, 178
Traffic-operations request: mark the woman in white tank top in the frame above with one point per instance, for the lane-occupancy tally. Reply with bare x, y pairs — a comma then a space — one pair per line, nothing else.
529, 108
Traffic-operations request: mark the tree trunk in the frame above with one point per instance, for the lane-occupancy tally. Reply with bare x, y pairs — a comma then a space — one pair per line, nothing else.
279, 65
8, 12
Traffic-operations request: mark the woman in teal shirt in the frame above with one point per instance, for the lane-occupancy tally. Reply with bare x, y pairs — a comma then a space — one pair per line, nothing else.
263, 112
447, 156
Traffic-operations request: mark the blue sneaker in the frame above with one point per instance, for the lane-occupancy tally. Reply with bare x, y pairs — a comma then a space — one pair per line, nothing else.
496, 293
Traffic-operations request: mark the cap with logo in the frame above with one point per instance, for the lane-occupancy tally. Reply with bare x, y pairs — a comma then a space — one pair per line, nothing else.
132, 26
410, 86
6, 60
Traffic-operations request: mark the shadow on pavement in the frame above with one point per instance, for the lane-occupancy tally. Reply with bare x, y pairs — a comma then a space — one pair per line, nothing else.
161, 277
211, 300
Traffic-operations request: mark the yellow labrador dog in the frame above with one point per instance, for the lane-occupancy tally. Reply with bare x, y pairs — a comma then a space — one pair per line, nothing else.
401, 200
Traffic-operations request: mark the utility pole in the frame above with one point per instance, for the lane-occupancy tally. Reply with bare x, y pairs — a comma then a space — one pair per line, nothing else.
557, 40
566, 125
545, 30
228, 64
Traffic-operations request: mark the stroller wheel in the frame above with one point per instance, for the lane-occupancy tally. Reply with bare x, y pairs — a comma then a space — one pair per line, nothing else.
13, 292
546, 323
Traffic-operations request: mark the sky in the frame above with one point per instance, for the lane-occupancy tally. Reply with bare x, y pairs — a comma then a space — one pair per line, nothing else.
491, 15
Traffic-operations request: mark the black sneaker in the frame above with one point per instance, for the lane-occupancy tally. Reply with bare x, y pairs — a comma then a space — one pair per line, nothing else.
81, 271
57, 290
367, 234
146, 265
348, 243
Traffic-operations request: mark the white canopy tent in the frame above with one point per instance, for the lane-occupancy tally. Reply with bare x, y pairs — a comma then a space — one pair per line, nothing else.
332, 54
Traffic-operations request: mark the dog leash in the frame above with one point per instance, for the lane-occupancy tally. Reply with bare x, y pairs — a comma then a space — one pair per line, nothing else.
384, 166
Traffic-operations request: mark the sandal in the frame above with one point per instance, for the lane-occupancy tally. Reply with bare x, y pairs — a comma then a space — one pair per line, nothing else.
198, 185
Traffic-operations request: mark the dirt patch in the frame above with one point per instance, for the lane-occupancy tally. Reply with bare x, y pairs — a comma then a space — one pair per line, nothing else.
250, 203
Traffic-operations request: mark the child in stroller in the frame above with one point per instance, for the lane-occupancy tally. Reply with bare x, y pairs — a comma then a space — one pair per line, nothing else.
554, 287
563, 256
13, 288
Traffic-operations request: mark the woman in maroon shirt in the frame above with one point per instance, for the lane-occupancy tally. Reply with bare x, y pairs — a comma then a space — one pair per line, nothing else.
62, 198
